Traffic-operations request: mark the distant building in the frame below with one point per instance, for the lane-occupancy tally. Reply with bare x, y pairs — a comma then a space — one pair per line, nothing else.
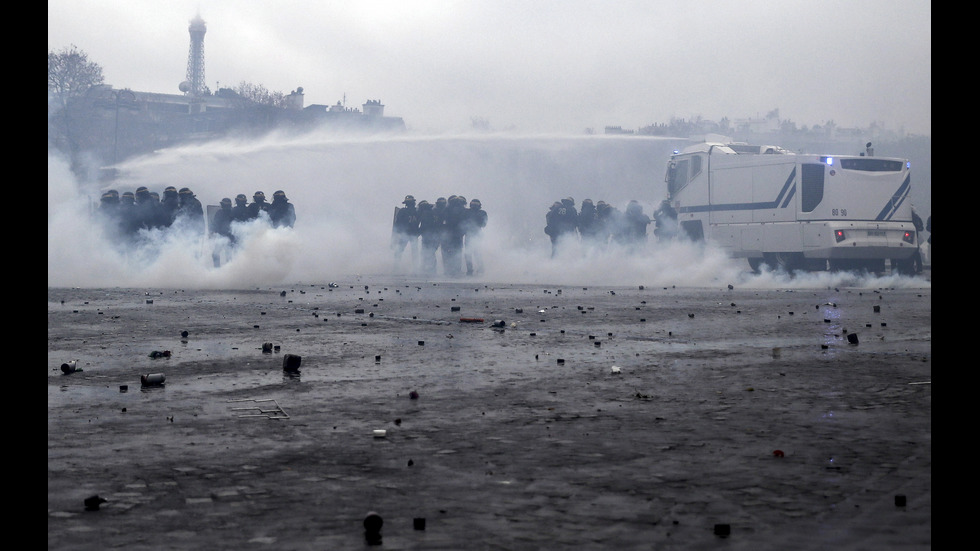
617, 130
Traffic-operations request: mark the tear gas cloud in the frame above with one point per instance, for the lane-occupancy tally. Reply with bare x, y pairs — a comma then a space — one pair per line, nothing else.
345, 189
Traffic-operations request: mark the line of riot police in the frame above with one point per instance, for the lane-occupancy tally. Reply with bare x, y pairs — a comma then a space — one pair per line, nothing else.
598, 224
131, 212
127, 214
448, 230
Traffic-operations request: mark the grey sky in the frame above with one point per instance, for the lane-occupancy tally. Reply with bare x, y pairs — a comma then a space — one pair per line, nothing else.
535, 65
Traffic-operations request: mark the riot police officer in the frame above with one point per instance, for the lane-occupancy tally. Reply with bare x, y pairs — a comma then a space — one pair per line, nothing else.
281, 211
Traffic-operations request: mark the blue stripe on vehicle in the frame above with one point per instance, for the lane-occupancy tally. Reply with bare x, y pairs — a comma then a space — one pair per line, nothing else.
782, 200
789, 197
896, 200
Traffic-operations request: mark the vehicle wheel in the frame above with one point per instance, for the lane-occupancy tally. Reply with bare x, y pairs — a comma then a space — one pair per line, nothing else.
903, 267
755, 264
787, 262
871, 266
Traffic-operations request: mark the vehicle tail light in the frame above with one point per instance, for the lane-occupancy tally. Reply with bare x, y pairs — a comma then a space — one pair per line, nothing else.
909, 237
839, 235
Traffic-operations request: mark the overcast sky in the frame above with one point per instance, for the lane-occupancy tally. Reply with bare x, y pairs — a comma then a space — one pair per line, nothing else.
534, 65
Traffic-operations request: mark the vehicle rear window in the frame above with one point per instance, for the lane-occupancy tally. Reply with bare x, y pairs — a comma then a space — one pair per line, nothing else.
871, 164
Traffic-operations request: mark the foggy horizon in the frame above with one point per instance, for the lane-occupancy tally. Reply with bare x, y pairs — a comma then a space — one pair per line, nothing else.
534, 67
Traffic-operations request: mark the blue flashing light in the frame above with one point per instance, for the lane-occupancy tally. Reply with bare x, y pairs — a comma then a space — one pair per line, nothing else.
908, 164
830, 160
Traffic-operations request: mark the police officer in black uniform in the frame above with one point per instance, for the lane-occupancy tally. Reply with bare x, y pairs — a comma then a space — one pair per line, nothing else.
191, 210
455, 230
129, 221
221, 227
281, 211
258, 205
665, 221
145, 210
169, 203
405, 231
473, 224
430, 231
239, 213
588, 223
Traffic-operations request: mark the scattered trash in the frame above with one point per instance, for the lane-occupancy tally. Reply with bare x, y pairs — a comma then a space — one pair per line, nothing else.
777, 352
380, 433
413, 395
690, 315
184, 334
730, 286
377, 359
498, 323
454, 309
160, 354
267, 347
778, 453
723, 530
69, 367
852, 338
561, 361
421, 343
123, 388
291, 362
516, 311
471, 320
615, 369
93, 503
282, 293
900, 501
418, 523
333, 285
153, 379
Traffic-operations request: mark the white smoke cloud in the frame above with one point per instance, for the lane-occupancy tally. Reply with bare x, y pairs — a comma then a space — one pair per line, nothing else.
345, 189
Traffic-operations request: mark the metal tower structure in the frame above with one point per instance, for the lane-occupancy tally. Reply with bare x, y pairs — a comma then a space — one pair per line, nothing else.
195, 58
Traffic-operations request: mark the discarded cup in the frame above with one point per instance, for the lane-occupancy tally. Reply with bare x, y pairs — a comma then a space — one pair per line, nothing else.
152, 379
380, 433
69, 366
267, 347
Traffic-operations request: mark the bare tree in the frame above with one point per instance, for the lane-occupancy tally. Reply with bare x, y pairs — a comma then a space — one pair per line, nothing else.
260, 95
70, 74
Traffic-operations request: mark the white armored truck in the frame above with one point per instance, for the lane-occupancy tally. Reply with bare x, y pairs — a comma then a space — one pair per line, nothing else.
795, 211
